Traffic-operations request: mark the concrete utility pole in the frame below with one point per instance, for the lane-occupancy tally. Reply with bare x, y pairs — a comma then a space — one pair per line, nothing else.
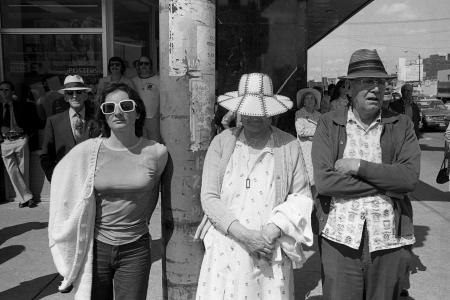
187, 93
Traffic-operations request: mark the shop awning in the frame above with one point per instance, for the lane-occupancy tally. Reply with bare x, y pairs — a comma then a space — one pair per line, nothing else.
323, 16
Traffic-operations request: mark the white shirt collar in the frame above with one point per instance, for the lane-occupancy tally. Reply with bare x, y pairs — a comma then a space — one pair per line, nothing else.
352, 118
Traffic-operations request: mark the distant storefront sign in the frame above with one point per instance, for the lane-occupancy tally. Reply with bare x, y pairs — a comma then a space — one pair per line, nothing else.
82, 70
90, 74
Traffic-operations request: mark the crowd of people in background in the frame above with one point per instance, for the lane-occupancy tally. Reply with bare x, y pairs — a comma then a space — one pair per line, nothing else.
62, 117
344, 177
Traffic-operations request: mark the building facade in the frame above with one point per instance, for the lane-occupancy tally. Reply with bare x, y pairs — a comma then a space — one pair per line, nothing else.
435, 63
410, 70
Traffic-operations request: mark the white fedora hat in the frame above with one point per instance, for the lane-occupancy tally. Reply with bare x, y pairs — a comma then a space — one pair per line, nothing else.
74, 83
255, 97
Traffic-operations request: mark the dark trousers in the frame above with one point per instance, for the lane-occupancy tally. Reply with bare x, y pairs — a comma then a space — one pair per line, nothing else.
121, 272
349, 274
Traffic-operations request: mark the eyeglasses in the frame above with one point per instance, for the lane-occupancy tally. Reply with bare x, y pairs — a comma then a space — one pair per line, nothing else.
5, 90
70, 93
126, 105
373, 82
144, 63
114, 64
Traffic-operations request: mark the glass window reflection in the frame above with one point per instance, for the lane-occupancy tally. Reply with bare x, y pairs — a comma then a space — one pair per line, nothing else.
51, 14
33, 58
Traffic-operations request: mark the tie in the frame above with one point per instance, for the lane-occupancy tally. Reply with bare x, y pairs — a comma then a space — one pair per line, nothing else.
78, 127
7, 116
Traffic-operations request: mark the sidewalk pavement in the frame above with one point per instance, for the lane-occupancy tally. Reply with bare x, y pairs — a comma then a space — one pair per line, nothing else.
27, 271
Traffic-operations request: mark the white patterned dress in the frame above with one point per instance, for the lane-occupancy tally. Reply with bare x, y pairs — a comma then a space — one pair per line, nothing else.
228, 271
305, 125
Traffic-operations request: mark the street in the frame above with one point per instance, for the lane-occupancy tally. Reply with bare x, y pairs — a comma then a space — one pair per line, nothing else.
27, 271
431, 221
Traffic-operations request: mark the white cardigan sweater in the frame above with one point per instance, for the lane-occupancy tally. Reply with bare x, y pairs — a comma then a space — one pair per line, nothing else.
72, 217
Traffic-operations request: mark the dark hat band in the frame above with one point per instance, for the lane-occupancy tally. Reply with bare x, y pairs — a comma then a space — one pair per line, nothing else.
74, 85
366, 65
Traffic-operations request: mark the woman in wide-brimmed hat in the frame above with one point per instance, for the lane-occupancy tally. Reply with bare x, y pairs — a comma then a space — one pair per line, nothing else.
308, 100
256, 196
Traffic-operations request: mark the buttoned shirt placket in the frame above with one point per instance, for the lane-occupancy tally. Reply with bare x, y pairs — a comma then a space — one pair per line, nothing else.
348, 215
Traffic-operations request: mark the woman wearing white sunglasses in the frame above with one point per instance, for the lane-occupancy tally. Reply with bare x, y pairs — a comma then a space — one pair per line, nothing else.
102, 197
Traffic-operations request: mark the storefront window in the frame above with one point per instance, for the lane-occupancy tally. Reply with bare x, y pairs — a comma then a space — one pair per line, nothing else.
262, 36
34, 58
136, 36
51, 14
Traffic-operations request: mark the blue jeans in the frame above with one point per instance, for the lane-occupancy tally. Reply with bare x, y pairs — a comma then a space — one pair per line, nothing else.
121, 272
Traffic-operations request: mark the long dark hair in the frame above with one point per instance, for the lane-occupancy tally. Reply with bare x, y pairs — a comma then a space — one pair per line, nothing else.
133, 95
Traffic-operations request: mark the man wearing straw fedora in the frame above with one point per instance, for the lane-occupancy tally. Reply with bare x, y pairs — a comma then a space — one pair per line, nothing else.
66, 129
366, 160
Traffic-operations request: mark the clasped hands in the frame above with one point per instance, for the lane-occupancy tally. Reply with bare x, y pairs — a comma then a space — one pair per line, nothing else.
261, 243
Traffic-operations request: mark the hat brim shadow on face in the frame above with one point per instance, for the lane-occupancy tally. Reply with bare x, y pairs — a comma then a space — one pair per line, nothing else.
254, 104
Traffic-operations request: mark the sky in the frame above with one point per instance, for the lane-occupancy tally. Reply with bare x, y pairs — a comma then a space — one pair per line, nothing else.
396, 28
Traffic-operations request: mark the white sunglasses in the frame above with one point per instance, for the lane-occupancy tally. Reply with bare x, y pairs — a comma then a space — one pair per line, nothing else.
126, 105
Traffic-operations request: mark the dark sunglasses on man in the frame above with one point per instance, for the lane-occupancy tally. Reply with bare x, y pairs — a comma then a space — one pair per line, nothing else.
126, 105
78, 92
144, 63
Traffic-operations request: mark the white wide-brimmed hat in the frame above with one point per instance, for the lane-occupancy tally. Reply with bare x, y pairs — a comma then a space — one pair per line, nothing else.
255, 97
301, 94
74, 83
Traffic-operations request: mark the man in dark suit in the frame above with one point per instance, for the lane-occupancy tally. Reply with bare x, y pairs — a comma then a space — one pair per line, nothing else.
66, 129
406, 106
19, 120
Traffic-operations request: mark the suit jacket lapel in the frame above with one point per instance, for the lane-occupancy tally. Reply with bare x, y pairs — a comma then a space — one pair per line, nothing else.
67, 129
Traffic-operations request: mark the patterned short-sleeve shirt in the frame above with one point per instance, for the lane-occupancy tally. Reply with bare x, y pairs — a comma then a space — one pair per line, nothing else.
347, 216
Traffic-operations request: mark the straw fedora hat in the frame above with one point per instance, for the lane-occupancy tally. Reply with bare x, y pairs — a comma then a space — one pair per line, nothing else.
74, 83
366, 63
301, 93
255, 97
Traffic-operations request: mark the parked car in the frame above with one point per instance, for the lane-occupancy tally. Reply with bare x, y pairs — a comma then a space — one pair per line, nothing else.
434, 114
447, 104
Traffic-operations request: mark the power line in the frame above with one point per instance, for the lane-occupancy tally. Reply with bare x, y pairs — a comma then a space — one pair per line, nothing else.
398, 34
398, 21
391, 45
